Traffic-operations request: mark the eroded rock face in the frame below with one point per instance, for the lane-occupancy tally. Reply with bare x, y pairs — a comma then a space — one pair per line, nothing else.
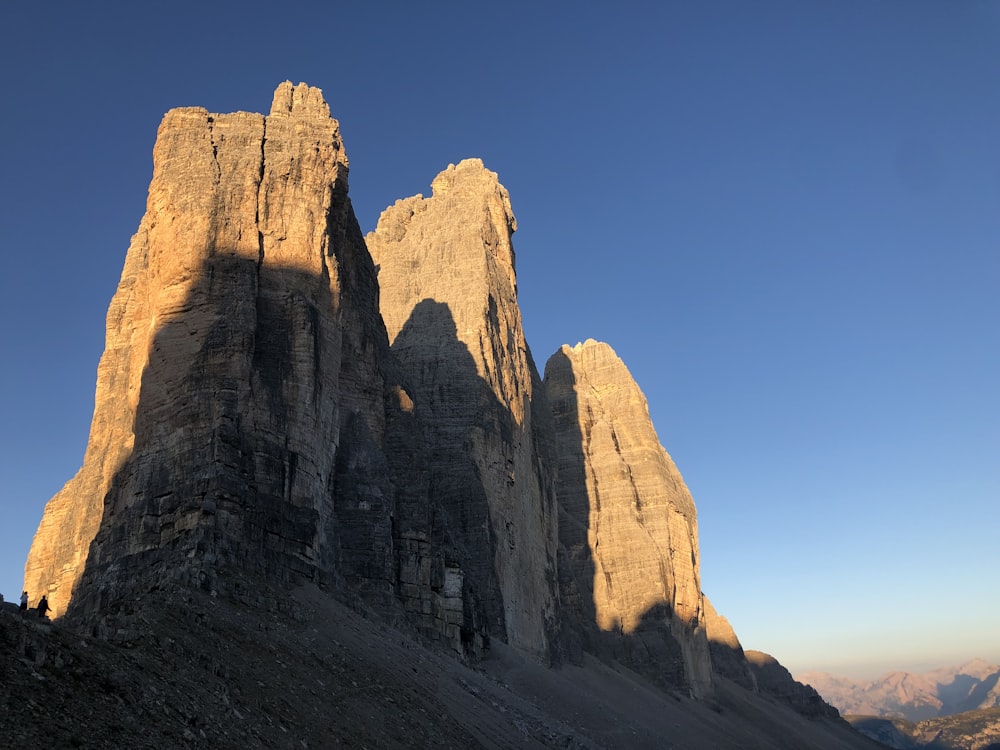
243, 347
627, 526
449, 301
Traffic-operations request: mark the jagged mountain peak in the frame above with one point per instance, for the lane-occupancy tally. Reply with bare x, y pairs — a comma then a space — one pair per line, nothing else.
300, 101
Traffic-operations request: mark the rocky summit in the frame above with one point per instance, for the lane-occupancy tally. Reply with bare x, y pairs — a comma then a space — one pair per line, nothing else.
328, 499
448, 295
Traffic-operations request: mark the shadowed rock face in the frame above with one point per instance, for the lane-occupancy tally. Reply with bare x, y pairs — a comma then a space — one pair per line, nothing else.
775, 680
728, 659
449, 300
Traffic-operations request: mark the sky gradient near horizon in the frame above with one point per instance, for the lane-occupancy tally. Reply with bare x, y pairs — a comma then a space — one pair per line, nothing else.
784, 217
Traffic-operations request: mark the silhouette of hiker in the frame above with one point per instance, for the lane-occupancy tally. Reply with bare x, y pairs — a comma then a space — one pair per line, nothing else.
24, 602
43, 607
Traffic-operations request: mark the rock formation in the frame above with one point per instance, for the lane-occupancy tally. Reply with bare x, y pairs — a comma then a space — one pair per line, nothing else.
244, 346
775, 680
449, 301
275, 406
627, 522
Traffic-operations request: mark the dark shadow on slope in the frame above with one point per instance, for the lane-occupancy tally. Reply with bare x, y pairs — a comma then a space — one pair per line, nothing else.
772, 679
967, 693
725, 650
730, 662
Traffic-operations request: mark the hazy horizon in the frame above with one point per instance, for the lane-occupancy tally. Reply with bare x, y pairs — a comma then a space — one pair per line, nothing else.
875, 670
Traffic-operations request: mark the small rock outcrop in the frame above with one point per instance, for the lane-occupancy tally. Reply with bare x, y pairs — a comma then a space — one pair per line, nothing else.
728, 658
774, 680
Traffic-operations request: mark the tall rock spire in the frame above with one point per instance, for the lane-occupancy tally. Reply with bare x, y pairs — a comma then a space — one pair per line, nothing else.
242, 343
449, 301
627, 528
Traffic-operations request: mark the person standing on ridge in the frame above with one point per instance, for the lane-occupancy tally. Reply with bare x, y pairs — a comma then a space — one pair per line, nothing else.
43, 607
24, 602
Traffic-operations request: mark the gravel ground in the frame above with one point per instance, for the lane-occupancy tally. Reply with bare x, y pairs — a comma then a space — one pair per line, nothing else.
306, 671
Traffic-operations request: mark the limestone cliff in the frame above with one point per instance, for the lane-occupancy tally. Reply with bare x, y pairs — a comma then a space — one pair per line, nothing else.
250, 417
627, 523
244, 346
449, 301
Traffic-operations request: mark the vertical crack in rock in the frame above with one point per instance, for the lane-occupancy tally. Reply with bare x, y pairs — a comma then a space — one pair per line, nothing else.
215, 149
260, 182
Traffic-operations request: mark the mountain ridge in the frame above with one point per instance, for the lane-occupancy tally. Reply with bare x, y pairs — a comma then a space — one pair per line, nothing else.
944, 691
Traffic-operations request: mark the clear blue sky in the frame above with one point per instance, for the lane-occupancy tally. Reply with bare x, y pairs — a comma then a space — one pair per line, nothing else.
784, 216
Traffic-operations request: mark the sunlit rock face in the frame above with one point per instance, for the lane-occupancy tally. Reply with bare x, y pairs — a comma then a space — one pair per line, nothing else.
449, 301
627, 527
243, 349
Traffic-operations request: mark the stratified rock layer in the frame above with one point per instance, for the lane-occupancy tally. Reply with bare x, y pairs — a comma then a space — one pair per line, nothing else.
449, 301
627, 523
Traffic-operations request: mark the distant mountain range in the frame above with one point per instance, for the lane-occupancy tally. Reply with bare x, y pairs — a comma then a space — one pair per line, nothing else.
942, 692
969, 730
